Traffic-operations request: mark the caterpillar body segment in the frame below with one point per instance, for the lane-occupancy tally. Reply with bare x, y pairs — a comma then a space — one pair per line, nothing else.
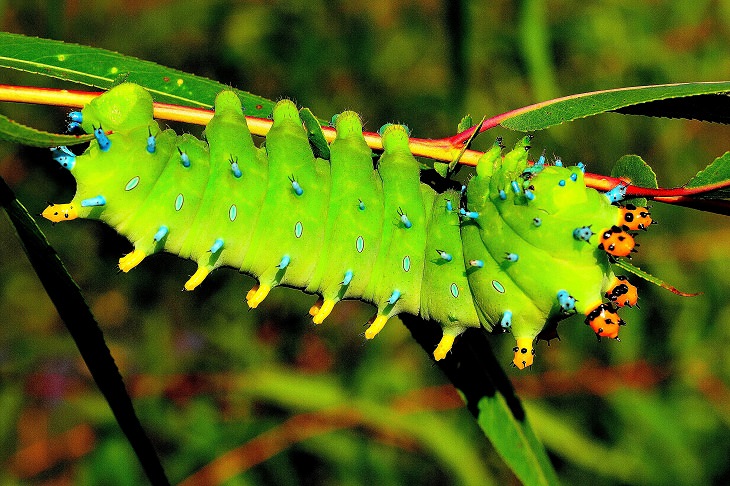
501, 253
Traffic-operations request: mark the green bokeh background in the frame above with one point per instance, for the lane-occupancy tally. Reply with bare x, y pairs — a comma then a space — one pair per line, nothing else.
207, 376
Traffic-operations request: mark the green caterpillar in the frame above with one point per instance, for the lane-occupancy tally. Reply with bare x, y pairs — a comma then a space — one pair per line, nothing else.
524, 246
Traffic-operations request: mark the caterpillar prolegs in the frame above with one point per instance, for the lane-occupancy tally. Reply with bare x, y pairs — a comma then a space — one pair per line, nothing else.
525, 245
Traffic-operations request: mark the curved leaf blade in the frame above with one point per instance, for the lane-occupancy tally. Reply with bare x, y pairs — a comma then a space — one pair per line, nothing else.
549, 113
103, 69
15, 132
633, 169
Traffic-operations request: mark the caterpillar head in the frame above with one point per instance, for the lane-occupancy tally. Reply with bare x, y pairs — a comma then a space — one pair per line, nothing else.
524, 353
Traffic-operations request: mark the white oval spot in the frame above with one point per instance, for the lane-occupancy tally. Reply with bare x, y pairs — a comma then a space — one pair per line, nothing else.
233, 212
132, 183
179, 202
406, 263
498, 286
360, 244
454, 290
298, 229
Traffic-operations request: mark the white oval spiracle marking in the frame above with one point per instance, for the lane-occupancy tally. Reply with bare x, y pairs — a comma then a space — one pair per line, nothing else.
132, 183
298, 229
179, 200
233, 212
360, 244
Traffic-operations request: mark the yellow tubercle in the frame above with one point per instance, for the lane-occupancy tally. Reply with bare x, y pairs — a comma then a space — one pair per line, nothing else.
197, 278
315, 307
376, 327
524, 353
60, 212
258, 296
444, 346
131, 260
324, 311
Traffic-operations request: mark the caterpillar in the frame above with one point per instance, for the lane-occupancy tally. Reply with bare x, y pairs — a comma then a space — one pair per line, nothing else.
523, 245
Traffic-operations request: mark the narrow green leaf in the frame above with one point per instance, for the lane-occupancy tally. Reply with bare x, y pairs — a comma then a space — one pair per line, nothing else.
83, 328
466, 123
546, 114
717, 173
634, 169
478, 376
316, 135
18, 133
103, 69
651, 278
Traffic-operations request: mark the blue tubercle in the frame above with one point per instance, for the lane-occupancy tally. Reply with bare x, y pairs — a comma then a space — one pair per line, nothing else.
502, 195
573, 177
295, 185
515, 187
541, 160
529, 195
76, 119
558, 163
64, 157
463, 190
468, 214
347, 278
361, 205
217, 245
234, 167
444, 255
333, 121
161, 233
449, 206
537, 221
506, 321
476, 263
583, 233
184, 159
151, 141
581, 166
102, 139
511, 257
394, 297
616, 194
404, 219
566, 301
561, 183
93, 202
285, 260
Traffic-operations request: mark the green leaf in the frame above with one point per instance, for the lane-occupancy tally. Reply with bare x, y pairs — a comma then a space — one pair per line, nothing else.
315, 134
638, 172
478, 376
651, 278
83, 328
466, 123
103, 69
717, 173
548, 113
17, 133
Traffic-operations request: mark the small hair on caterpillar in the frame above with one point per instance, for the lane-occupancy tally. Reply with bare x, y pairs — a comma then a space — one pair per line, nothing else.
516, 248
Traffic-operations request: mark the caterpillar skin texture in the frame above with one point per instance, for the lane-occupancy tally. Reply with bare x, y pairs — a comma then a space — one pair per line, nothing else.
526, 246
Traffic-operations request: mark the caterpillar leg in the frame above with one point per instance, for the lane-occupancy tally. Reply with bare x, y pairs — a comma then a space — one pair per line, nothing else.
447, 341
258, 296
376, 326
197, 278
315, 307
60, 212
324, 311
131, 260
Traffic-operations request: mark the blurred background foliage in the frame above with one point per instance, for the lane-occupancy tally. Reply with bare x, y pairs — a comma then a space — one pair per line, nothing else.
265, 398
